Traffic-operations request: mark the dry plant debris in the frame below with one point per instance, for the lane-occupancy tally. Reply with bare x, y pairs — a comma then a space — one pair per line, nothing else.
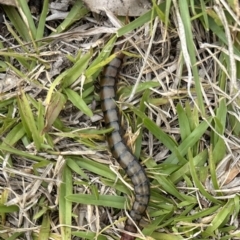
119, 8
8, 2
179, 103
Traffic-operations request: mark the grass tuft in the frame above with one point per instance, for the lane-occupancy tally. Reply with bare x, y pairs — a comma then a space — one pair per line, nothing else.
178, 98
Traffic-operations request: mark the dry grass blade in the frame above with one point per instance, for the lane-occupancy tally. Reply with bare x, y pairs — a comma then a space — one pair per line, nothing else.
178, 97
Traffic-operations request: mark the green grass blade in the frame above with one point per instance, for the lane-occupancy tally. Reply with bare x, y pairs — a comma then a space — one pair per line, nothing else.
138, 144
184, 11
65, 206
198, 184
78, 102
185, 130
102, 200
44, 232
140, 21
23, 154
189, 142
102, 59
77, 70
88, 235
219, 218
198, 161
17, 22
8, 209
42, 21
95, 167
77, 12
28, 120
54, 108
74, 167
27, 18
14, 135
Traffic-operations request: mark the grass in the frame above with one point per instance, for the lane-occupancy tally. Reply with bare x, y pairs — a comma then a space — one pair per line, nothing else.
179, 103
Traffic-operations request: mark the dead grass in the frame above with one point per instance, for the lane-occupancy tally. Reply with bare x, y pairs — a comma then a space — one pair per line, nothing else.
179, 102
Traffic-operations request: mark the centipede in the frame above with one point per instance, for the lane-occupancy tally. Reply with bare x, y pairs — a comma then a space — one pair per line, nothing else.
117, 146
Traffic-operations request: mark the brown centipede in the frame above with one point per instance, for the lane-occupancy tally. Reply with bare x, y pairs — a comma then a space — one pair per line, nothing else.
119, 149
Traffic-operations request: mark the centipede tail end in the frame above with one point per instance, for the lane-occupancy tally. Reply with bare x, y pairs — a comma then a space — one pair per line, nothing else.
131, 229
126, 236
